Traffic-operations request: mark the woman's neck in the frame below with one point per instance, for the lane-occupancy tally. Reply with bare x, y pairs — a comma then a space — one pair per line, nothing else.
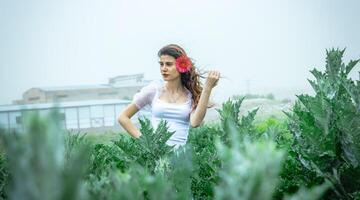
174, 86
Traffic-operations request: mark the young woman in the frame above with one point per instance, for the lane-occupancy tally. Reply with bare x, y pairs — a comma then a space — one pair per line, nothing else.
178, 98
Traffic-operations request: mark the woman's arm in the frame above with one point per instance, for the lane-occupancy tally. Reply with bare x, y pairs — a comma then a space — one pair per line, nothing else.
126, 123
197, 116
141, 99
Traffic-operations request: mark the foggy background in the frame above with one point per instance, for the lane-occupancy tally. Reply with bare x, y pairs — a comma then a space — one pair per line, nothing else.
260, 46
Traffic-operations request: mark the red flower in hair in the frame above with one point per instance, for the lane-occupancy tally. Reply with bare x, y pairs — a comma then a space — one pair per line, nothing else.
183, 64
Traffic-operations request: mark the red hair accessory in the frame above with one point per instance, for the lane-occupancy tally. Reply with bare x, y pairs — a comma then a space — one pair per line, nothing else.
183, 64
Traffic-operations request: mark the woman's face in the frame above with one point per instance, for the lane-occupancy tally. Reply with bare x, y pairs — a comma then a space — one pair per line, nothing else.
167, 68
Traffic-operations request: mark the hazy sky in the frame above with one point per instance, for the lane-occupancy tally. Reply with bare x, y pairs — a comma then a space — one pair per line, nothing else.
260, 46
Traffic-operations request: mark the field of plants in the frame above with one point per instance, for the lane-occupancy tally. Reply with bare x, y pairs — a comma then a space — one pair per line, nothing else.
312, 153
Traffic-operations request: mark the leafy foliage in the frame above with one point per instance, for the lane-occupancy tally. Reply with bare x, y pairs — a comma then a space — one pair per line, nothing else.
315, 149
150, 147
326, 127
4, 175
250, 170
251, 165
230, 114
145, 151
38, 168
206, 157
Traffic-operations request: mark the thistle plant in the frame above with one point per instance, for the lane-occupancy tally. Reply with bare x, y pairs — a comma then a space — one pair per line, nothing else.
326, 127
37, 164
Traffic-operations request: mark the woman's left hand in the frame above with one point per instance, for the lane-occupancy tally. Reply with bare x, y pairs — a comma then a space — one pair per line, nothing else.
212, 79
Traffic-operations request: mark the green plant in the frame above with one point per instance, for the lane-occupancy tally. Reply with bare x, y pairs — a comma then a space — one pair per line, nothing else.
205, 156
230, 114
171, 179
73, 140
326, 127
145, 151
4, 175
37, 164
250, 170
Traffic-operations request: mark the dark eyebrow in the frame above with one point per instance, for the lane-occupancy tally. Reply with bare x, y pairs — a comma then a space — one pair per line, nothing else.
166, 62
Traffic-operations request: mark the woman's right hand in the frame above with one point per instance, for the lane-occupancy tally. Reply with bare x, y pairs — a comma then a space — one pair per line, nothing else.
212, 79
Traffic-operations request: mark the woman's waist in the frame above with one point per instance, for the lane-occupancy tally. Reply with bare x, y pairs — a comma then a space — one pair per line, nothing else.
174, 122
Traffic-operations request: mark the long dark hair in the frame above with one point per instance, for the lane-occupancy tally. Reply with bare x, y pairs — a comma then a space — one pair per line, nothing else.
190, 79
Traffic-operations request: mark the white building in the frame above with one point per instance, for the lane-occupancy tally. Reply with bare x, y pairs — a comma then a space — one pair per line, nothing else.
74, 115
81, 107
119, 87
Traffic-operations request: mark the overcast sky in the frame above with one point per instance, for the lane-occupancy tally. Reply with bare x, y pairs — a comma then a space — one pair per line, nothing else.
260, 46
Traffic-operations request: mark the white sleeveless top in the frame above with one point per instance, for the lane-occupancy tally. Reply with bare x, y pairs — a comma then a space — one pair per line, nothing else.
176, 115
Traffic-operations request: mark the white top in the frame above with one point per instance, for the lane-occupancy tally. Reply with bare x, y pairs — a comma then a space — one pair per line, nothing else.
177, 115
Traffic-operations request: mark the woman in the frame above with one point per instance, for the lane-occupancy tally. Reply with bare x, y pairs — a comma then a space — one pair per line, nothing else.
179, 99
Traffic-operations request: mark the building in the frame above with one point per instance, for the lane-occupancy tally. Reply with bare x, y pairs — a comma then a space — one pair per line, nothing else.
75, 115
81, 107
119, 87
124, 80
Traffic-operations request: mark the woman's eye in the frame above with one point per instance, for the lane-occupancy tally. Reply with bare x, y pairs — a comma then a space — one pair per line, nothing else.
168, 64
